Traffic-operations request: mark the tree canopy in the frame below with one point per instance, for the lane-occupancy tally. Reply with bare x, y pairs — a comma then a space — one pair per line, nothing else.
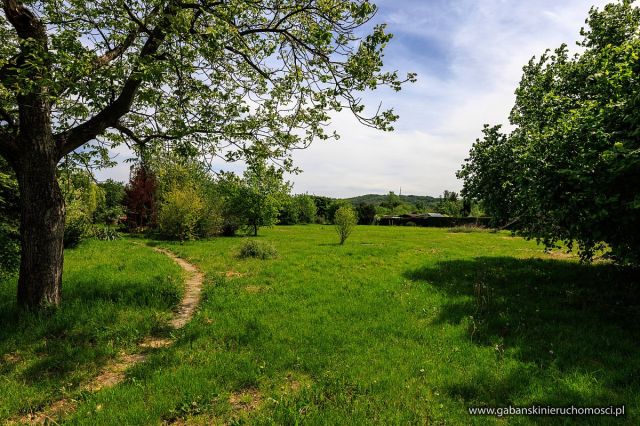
230, 79
570, 170
219, 78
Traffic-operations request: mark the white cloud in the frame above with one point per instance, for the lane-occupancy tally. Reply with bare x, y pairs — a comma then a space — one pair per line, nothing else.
468, 55
487, 43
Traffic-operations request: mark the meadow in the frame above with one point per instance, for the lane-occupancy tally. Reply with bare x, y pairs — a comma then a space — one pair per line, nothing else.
401, 325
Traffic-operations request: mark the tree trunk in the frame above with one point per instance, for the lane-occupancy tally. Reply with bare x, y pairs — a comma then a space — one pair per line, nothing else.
41, 237
42, 209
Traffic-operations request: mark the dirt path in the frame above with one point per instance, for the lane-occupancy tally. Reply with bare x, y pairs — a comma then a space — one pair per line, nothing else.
115, 372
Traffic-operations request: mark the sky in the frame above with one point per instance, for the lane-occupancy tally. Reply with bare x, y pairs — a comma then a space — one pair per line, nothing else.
468, 55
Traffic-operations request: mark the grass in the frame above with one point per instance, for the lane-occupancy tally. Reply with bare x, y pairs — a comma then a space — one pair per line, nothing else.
115, 294
398, 326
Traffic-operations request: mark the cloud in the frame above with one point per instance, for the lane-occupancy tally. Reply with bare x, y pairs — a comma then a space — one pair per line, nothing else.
468, 55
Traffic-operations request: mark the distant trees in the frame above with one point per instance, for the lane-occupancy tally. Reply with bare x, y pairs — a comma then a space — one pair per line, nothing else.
392, 201
570, 170
298, 209
345, 220
323, 204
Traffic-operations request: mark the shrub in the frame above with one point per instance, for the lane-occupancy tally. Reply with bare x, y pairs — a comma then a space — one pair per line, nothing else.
410, 223
75, 226
345, 220
180, 213
257, 250
105, 233
229, 227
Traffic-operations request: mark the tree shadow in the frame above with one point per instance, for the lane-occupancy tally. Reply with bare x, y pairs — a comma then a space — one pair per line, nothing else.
568, 328
78, 338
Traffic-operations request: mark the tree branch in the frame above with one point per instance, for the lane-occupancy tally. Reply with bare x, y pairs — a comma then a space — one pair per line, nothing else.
23, 20
74, 138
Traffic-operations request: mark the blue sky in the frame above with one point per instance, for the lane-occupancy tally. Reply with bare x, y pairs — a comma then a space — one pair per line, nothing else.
468, 55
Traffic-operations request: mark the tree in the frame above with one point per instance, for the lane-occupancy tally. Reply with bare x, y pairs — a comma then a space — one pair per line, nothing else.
489, 174
306, 207
345, 220
180, 213
299, 208
570, 170
82, 196
219, 78
289, 212
366, 213
392, 201
449, 204
113, 206
323, 207
257, 198
141, 197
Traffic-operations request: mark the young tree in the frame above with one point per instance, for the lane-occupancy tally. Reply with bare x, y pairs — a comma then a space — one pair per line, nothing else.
345, 220
141, 197
258, 197
227, 78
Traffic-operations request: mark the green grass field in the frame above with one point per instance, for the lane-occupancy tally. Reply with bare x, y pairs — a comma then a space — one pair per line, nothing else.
398, 326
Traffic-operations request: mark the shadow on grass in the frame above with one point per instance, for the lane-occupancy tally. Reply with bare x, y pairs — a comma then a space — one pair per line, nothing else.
567, 329
98, 318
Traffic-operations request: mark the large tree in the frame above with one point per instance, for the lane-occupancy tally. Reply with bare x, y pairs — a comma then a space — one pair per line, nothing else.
570, 169
228, 78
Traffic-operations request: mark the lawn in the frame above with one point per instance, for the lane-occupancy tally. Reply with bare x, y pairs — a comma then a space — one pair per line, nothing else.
399, 326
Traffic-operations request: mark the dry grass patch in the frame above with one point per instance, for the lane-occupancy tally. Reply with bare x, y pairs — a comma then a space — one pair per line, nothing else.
233, 274
246, 400
295, 382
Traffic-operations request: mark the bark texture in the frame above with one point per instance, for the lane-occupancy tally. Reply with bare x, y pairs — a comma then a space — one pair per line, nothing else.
42, 208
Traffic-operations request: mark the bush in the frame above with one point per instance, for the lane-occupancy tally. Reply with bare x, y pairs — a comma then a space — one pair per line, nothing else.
105, 233
76, 224
230, 227
257, 250
180, 213
345, 220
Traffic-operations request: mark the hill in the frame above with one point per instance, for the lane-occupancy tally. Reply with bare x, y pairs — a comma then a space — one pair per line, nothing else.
378, 198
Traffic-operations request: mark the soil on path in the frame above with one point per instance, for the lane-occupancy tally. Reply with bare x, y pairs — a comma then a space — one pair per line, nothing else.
115, 372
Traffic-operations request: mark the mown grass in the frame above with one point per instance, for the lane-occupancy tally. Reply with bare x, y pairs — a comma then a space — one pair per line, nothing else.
115, 294
398, 326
